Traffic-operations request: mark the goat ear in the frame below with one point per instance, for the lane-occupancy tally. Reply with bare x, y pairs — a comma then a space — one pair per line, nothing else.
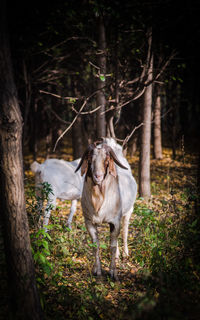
84, 160
112, 168
84, 167
83, 163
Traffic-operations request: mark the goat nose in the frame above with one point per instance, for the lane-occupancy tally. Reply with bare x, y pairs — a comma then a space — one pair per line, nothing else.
98, 175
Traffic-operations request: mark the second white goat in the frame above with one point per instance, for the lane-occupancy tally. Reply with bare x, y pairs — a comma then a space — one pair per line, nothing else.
65, 184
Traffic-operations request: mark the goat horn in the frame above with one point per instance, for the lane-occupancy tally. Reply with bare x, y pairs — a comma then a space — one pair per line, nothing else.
113, 155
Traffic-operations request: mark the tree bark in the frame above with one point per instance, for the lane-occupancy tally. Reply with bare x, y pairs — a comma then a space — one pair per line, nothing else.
23, 292
145, 148
101, 100
157, 125
28, 95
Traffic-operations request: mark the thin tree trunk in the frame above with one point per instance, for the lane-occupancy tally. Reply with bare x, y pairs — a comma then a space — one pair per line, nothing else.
157, 125
111, 114
144, 168
77, 132
23, 292
77, 138
133, 146
101, 100
35, 129
49, 131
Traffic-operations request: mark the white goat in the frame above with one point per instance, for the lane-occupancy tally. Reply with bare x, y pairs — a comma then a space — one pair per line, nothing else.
65, 183
109, 193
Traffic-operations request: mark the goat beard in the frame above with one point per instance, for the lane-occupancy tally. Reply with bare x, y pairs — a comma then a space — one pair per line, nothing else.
98, 196
100, 186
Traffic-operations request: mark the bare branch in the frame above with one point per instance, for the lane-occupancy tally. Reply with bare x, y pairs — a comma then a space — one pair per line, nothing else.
93, 65
173, 54
58, 96
130, 135
138, 94
87, 112
71, 124
57, 116
73, 121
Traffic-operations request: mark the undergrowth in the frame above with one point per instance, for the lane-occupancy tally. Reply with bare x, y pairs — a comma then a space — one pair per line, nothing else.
160, 279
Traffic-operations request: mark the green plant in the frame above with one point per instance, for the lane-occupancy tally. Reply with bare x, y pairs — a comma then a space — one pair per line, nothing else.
41, 251
36, 197
40, 238
154, 241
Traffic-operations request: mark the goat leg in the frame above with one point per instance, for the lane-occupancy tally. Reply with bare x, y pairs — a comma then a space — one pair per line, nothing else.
92, 229
125, 224
114, 233
71, 214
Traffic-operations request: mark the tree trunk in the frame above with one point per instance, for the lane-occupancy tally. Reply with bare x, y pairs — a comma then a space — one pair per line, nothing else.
33, 139
157, 125
77, 138
112, 113
101, 100
49, 131
23, 292
145, 148
77, 132
133, 145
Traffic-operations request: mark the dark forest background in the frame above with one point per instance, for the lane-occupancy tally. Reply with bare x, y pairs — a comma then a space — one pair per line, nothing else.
72, 72
55, 47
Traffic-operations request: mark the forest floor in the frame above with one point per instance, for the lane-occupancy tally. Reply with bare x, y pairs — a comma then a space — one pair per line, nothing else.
161, 277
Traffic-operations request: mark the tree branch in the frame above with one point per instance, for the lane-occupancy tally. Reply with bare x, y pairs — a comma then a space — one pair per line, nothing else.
58, 96
87, 112
71, 124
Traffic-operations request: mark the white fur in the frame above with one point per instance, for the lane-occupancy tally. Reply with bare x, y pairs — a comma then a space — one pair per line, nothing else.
110, 201
65, 183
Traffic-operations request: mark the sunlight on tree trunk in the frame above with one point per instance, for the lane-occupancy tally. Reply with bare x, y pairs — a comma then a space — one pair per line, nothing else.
157, 125
145, 148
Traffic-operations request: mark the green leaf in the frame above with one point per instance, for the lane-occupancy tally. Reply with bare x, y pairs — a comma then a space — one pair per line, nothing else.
42, 258
92, 245
102, 78
45, 244
194, 223
103, 246
48, 236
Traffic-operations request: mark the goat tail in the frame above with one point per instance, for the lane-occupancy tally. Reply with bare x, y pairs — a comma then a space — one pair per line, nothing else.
35, 167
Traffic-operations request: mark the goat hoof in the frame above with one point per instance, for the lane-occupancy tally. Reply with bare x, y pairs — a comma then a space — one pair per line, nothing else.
97, 272
113, 275
69, 226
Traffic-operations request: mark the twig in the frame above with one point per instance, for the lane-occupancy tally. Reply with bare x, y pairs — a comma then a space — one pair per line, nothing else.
87, 112
57, 96
57, 116
92, 64
71, 124
136, 96
69, 127
130, 135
